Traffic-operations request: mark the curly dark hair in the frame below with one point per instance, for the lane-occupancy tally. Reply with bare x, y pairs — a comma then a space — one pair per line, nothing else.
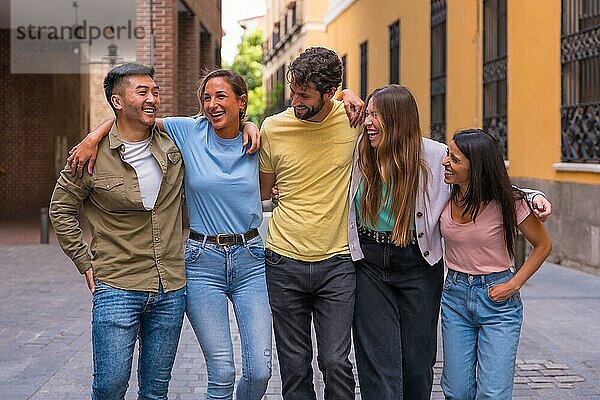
319, 66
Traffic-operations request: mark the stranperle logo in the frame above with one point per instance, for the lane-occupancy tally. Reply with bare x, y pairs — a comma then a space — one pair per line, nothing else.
66, 36
81, 32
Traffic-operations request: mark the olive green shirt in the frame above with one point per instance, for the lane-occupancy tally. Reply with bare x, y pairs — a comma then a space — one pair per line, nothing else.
131, 248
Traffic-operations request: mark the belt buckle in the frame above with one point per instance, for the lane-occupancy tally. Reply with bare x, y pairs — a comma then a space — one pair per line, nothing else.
218, 239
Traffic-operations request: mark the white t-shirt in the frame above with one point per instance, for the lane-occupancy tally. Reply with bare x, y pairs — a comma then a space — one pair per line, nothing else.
138, 155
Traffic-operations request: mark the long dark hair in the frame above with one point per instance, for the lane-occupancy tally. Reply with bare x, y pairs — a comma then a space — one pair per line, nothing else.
488, 181
396, 163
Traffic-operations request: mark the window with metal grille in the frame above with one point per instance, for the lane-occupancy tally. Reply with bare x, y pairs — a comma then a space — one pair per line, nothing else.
438, 70
363, 70
580, 97
394, 52
494, 71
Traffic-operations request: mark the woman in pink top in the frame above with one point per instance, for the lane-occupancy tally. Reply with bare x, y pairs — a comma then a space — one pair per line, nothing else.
481, 309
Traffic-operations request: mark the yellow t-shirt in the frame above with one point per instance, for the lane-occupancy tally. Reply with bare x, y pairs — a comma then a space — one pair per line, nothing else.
312, 162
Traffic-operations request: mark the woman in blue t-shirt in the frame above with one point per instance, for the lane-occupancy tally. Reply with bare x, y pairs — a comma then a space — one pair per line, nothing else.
224, 255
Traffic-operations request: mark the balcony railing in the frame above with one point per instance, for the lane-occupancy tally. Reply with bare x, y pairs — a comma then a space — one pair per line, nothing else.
580, 131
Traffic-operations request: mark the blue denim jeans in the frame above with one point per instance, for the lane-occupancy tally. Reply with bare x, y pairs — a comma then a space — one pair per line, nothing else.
480, 337
216, 274
300, 291
119, 318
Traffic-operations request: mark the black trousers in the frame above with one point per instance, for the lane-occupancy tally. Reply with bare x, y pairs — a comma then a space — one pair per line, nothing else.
321, 292
395, 321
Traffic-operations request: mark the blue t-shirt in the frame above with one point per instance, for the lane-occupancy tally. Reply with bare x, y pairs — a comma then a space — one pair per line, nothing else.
385, 222
221, 181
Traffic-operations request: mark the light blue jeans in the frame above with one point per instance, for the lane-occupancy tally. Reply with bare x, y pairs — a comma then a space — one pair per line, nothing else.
119, 318
480, 337
216, 274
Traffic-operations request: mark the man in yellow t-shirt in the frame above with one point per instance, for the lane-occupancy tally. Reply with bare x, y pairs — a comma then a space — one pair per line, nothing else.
308, 150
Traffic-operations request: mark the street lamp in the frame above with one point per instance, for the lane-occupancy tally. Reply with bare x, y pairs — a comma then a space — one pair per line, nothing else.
112, 56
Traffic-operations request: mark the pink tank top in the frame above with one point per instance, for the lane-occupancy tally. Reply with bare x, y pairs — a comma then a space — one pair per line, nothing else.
478, 247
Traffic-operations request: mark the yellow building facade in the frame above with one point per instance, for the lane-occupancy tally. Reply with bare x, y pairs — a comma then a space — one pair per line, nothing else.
526, 71
290, 27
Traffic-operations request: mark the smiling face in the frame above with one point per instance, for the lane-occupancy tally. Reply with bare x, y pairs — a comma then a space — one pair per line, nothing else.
309, 104
222, 107
373, 127
457, 167
138, 100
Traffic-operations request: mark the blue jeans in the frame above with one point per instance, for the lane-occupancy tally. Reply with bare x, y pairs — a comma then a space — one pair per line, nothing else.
395, 321
216, 274
299, 291
119, 318
480, 337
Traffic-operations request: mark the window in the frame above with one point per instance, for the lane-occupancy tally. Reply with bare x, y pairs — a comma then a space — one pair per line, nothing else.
276, 35
280, 89
344, 82
218, 56
494, 71
580, 97
394, 52
438, 70
293, 8
363, 70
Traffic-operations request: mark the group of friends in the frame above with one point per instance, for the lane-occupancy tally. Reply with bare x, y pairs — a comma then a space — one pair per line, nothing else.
354, 246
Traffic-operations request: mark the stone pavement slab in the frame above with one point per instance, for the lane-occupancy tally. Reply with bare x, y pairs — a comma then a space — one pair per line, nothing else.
45, 350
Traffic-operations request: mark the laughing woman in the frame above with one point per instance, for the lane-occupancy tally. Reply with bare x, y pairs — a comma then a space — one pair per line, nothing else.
481, 308
397, 196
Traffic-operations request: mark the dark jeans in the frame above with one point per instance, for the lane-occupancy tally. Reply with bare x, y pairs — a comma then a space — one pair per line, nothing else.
395, 321
299, 291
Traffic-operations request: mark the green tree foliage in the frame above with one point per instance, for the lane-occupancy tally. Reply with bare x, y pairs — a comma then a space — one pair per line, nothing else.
248, 64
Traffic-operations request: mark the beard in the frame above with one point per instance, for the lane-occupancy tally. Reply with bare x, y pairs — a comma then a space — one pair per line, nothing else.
136, 114
310, 111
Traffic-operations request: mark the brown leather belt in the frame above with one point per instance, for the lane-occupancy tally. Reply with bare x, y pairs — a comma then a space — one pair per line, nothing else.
225, 239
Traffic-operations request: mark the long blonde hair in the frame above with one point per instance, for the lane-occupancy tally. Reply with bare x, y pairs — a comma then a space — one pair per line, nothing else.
396, 163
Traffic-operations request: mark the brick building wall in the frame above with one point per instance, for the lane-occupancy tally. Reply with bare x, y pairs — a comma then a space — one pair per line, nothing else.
41, 119
187, 39
45, 115
188, 58
100, 110
165, 54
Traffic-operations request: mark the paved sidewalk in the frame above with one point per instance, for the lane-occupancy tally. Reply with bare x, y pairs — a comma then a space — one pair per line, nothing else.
45, 334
